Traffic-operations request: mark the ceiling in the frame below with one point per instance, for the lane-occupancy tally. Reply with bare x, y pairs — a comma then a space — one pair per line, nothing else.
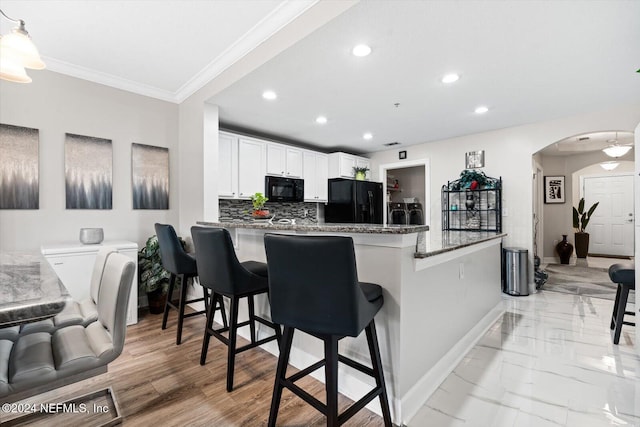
527, 61
589, 142
165, 49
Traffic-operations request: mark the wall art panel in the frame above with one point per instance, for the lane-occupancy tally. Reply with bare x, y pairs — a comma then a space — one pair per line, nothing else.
19, 182
150, 176
88, 172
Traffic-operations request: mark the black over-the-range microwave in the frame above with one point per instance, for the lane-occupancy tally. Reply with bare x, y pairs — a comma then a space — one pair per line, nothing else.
281, 189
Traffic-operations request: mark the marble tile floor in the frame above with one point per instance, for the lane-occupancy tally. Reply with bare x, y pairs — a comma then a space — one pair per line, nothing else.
549, 361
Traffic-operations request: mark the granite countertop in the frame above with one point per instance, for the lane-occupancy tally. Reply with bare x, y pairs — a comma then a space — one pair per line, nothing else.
331, 228
431, 244
29, 289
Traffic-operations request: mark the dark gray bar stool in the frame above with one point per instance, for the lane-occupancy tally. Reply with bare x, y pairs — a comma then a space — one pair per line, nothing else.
179, 264
625, 276
220, 271
313, 283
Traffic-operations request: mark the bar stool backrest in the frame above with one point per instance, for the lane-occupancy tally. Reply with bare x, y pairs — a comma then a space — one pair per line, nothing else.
174, 258
218, 265
313, 284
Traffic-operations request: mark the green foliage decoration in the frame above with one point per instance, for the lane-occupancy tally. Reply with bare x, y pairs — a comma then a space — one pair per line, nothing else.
152, 275
258, 201
580, 217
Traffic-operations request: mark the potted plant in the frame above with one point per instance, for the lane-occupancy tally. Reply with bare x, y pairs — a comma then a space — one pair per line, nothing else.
153, 278
580, 222
360, 173
258, 200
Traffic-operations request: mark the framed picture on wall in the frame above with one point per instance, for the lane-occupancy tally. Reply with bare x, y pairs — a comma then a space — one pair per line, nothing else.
19, 188
554, 189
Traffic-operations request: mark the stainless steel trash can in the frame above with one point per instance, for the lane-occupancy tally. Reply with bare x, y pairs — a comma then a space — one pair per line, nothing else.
515, 274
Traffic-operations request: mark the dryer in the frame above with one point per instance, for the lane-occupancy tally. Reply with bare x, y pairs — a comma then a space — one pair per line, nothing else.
415, 214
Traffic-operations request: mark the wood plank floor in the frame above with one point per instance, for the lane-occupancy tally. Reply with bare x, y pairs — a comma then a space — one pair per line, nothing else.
159, 383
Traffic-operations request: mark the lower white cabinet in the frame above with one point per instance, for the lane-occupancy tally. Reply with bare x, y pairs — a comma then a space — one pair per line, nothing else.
73, 263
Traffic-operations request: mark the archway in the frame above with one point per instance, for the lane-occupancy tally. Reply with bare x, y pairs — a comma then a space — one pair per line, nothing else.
570, 160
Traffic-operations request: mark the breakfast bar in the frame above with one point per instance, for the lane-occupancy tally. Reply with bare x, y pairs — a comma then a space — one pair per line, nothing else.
441, 291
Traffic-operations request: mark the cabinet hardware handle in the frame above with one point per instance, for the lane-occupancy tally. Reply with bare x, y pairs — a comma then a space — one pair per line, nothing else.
58, 263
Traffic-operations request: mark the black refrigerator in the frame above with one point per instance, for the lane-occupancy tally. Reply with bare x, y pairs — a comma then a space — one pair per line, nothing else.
352, 201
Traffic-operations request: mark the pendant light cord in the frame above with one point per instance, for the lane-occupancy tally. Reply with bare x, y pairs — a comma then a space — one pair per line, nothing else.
20, 21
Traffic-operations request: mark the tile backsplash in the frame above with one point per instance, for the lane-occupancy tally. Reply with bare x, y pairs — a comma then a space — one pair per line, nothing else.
240, 210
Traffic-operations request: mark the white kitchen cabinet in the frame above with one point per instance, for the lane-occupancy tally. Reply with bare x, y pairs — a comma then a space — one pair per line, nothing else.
341, 165
316, 173
251, 167
227, 165
294, 162
276, 159
73, 263
283, 160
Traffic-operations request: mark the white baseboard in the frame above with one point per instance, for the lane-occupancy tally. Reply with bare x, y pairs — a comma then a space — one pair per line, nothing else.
413, 400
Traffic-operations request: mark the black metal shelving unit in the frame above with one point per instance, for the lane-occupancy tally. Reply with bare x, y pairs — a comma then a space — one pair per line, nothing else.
464, 209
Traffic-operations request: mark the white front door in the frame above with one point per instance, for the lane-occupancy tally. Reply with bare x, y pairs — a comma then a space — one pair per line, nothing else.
611, 226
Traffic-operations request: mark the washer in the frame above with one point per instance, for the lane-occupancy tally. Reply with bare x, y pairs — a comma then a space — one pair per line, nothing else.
398, 213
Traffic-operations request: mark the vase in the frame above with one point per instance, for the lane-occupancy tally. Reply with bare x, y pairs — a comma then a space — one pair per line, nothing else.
564, 249
360, 176
470, 202
582, 244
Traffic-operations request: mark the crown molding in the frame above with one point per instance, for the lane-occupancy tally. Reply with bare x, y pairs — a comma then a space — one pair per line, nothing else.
286, 12
268, 26
106, 79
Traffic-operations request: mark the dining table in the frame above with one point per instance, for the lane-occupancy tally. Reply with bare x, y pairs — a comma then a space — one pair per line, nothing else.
29, 289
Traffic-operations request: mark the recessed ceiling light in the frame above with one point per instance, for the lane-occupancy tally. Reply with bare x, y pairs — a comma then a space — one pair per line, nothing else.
450, 78
269, 94
367, 135
321, 119
361, 50
481, 109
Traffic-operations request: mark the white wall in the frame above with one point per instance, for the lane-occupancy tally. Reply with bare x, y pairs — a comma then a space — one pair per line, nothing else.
195, 132
508, 153
56, 104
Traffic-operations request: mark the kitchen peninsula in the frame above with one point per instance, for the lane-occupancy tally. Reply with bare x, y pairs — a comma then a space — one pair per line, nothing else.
441, 290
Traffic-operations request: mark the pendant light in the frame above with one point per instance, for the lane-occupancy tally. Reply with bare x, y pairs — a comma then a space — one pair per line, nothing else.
18, 52
615, 149
609, 166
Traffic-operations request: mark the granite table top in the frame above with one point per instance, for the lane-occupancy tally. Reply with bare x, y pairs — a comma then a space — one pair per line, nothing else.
29, 289
322, 227
433, 244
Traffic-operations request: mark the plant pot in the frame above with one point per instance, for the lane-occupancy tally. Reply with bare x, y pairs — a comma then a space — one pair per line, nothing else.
582, 244
564, 249
260, 213
157, 300
361, 176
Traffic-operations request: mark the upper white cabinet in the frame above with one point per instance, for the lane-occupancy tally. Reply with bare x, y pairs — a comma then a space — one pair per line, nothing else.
251, 166
228, 165
244, 161
294, 162
283, 160
341, 165
316, 173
